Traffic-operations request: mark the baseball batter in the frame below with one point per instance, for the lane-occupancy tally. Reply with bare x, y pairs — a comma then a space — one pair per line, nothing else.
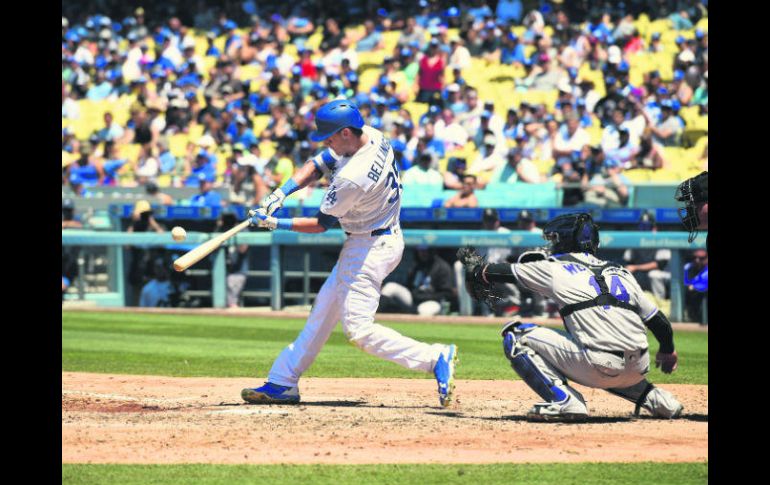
364, 197
606, 316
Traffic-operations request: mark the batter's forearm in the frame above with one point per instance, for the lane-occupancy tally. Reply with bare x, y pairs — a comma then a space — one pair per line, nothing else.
302, 224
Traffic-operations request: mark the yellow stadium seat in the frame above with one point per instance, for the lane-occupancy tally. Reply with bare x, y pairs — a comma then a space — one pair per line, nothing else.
390, 39
664, 175
638, 175
703, 24
544, 166
595, 133
371, 59
416, 110
260, 123
267, 149
129, 151
177, 144
196, 131
164, 180
314, 41
249, 72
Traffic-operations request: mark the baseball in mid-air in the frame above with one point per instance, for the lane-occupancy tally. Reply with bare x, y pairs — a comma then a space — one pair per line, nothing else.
178, 233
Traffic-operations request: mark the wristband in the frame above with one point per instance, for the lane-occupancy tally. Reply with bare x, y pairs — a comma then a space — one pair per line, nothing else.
289, 187
285, 223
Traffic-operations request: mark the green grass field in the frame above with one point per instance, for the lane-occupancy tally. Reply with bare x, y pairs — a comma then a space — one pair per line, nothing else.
233, 346
239, 346
530, 474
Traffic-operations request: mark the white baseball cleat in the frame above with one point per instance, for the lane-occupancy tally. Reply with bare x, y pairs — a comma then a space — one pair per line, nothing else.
570, 409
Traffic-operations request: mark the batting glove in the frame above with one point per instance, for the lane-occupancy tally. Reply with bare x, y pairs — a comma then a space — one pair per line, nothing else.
258, 218
273, 202
666, 362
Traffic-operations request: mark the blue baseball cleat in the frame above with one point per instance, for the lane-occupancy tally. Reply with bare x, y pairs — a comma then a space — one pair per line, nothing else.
271, 394
445, 375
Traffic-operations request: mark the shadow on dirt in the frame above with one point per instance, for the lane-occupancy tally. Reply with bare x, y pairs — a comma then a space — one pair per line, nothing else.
589, 420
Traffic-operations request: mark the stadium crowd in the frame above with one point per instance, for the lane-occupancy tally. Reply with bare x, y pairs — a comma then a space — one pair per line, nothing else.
591, 95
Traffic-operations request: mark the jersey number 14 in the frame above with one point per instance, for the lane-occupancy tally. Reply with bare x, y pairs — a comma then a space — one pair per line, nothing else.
616, 288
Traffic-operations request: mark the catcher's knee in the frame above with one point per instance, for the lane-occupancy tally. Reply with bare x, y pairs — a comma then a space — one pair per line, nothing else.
512, 333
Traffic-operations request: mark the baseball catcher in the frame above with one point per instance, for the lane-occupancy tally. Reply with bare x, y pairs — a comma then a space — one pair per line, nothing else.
606, 316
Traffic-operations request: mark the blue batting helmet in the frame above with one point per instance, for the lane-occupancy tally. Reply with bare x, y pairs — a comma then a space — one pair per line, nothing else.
334, 116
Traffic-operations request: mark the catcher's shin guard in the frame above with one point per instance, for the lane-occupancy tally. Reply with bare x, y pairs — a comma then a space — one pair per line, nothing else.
659, 402
527, 364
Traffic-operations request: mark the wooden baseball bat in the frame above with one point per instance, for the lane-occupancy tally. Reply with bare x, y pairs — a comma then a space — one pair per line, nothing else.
204, 249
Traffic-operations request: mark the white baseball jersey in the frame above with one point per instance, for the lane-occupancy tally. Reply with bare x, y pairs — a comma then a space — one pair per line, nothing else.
364, 190
604, 328
364, 195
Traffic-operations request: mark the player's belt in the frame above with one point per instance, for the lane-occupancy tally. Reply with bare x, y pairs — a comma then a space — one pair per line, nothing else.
380, 232
619, 353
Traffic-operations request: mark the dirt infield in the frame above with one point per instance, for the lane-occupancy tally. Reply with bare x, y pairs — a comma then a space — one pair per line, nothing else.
147, 419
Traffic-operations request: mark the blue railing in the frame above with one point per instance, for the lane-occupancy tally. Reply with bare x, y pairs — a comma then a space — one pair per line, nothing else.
676, 241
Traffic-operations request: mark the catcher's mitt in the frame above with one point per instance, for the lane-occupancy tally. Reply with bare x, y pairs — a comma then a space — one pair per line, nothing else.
475, 285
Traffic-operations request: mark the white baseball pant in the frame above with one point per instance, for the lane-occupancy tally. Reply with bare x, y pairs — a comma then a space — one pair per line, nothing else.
351, 294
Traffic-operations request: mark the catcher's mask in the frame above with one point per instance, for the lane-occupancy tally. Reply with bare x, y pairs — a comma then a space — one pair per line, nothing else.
572, 233
690, 193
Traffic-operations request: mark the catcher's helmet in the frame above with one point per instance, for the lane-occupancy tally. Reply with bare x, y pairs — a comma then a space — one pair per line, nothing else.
572, 233
690, 193
334, 116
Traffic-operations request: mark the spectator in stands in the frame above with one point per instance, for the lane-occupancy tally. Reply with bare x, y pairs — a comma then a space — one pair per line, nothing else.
431, 75
199, 160
206, 197
412, 34
453, 176
299, 26
510, 11
428, 286
570, 139
449, 131
625, 153
371, 40
459, 57
517, 169
465, 197
423, 173
649, 265
157, 291
280, 168
696, 283
146, 166
545, 75
487, 161
112, 131
606, 187
668, 132
512, 51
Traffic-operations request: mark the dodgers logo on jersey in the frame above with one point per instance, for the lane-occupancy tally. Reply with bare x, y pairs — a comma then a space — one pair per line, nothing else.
331, 196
